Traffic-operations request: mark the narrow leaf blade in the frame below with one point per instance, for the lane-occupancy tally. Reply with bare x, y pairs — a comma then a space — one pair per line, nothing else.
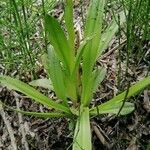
31, 93
43, 115
134, 89
114, 109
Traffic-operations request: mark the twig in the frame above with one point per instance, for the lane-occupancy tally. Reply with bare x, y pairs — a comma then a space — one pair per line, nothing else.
1, 144
113, 49
24, 141
9, 129
101, 135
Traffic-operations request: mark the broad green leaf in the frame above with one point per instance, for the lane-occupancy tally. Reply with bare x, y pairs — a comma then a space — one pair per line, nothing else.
134, 89
44, 83
80, 52
55, 74
70, 83
88, 91
114, 109
93, 27
109, 33
31, 93
79, 55
62, 83
59, 41
82, 135
68, 16
93, 83
99, 77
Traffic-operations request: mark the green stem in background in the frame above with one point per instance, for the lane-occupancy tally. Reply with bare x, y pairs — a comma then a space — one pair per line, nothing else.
44, 35
146, 21
129, 38
9, 54
119, 55
23, 39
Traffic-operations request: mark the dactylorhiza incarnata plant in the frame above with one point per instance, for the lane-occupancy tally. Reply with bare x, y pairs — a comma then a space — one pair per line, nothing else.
72, 86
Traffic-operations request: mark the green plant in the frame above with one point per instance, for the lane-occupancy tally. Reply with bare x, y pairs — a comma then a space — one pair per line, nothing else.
21, 36
137, 27
64, 64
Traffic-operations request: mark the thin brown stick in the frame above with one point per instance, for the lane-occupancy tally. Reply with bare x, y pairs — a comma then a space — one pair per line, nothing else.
22, 128
112, 50
9, 129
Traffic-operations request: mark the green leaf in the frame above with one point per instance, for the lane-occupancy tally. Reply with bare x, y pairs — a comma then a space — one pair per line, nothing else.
114, 109
94, 81
80, 52
59, 41
41, 115
31, 93
99, 77
36, 114
63, 85
93, 27
88, 91
56, 74
82, 135
134, 89
109, 33
68, 16
70, 83
44, 83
